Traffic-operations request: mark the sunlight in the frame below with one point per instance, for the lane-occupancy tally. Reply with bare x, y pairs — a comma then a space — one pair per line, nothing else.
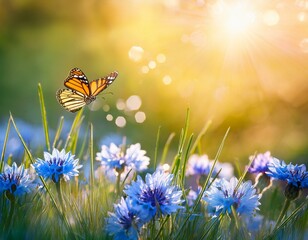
238, 20
234, 19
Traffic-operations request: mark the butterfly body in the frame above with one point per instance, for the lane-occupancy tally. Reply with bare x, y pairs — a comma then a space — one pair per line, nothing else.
90, 99
80, 91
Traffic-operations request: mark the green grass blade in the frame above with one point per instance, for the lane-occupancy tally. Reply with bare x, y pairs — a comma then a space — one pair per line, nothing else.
83, 146
72, 133
166, 148
22, 140
235, 217
44, 116
58, 132
213, 223
200, 135
91, 156
184, 132
177, 160
4, 143
91, 170
185, 160
156, 147
212, 168
75, 137
161, 227
241, 179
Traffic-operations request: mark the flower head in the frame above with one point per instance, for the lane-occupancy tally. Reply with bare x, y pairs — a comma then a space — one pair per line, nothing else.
201, 165
126, 221
295, 175
135, 157
226, 170
260, 162
112, 174
156, 195
192, 196
15, 181
166, 168
222, 195
113, 157
57, 165
198, 165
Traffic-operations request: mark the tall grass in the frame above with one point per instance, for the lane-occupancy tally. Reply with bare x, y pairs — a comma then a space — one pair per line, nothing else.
77, 209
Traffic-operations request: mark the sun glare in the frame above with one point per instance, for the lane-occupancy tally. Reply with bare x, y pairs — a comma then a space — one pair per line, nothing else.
234, 19
238, 20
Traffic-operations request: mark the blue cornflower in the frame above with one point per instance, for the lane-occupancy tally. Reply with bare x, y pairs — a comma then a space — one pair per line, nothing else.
293, 174
222, 195
198, 165
15, 181
226, 169
192, 196
112, 174
135, 158
126, 221
57, 165
156, 194
201, 165
260, 162
113, 157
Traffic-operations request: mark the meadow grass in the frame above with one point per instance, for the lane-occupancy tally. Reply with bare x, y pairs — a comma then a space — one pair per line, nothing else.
78, 209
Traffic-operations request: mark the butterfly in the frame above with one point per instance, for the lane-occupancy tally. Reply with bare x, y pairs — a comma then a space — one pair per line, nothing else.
80, 91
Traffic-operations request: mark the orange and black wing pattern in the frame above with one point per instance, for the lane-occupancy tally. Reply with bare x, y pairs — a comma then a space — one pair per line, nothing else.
78, 82
80, 92
98, 85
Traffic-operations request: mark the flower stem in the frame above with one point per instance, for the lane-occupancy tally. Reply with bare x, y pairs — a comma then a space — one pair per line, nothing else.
11, 213
58, 187
283, 212
118, 184
62, 212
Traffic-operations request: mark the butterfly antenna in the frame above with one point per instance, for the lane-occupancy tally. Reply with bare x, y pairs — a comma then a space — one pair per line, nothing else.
109, 93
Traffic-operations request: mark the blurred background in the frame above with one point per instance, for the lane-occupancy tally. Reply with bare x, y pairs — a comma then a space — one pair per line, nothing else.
241, 64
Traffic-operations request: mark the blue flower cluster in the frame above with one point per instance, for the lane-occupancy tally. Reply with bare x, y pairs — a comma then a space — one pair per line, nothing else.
57, 165
267, 166
115, 160
156, 195
295, 175
260, 162
201, 165
127, 220
145, 200
223, 195
113, 157
15, 181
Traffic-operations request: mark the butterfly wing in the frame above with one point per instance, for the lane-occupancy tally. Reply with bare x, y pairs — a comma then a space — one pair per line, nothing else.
71, 100
98, 85
78, 82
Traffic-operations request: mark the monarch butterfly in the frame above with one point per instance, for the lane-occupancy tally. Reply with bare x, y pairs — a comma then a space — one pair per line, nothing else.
80, 91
